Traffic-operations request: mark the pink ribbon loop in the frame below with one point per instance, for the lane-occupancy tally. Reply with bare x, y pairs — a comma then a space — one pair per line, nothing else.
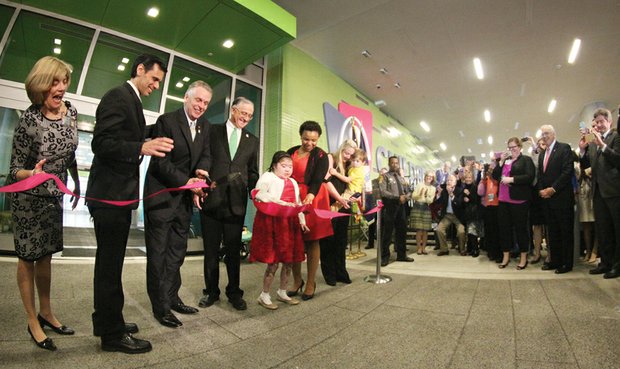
37, 179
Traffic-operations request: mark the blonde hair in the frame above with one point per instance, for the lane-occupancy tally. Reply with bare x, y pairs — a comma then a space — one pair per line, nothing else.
42, 76
347, 144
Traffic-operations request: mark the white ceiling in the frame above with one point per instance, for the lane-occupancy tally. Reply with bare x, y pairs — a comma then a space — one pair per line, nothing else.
428, 47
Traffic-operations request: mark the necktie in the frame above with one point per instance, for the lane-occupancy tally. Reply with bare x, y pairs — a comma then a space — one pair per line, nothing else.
547, 154
192, 129
232, 143
399, 185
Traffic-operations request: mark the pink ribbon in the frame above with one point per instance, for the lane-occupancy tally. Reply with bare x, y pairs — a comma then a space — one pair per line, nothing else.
277, 210
37, 179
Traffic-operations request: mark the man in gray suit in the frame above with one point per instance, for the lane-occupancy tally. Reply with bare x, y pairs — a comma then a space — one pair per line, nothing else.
604, 158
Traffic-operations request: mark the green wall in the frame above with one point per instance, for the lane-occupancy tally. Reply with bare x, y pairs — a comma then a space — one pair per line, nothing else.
297, 87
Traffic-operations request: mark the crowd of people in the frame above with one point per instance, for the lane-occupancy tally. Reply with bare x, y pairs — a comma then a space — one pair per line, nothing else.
503, 207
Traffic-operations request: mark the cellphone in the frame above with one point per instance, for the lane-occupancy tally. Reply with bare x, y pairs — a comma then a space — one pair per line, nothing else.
525, 139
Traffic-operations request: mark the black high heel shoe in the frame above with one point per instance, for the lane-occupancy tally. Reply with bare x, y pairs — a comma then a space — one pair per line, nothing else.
519, 267
63, 329
297, 291
308, 297
502, 266
46, 344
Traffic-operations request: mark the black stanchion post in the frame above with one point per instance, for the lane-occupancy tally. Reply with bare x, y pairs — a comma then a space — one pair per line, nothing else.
378, 278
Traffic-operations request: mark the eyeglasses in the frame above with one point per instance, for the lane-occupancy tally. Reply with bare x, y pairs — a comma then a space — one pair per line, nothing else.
244, 114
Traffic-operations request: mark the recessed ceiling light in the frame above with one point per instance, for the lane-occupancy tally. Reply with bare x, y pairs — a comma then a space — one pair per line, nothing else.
425, 126
469, 151
490, 140
516, 125
383, 71
574, 51
57, 41
478, 68
125, 60
186, 79
153, 12
479, 141
551, 106
453, 158
461, 133
121, 67
483, 155
487, 116
228, 44
57, 50
179, 85
491, 153
397, 85
366, 53
443, 146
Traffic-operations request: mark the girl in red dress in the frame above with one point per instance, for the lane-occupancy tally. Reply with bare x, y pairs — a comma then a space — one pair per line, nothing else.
278, 239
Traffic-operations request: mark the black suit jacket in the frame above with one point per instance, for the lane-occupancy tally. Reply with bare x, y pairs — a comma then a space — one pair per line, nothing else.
523, 172
605, 166
178, 166
558, 174
441, 203
236, 177
117, 143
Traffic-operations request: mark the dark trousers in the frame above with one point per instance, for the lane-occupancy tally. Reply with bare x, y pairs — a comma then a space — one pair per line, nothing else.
214, 231
393, 221
491, 232
560, 225
333, 251
513, 222
166, 232
111, 230
607, 215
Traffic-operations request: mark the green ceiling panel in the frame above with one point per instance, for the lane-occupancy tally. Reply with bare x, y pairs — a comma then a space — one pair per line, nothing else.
86, 10
223, 23
176, 19
194, 28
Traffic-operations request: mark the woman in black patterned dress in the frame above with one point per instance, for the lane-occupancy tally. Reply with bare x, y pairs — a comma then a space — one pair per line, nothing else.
45, 141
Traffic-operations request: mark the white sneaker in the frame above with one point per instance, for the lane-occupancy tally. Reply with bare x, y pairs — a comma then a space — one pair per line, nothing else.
265, 301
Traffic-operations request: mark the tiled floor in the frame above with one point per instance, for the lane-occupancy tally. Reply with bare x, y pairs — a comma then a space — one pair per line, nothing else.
438, 312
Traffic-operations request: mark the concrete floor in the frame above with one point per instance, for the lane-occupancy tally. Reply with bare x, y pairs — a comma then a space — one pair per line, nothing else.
448, 312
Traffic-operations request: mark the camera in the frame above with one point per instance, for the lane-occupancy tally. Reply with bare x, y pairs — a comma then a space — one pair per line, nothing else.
525, 139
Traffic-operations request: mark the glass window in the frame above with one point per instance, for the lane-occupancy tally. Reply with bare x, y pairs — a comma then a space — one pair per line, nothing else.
110, 66
253, 94
253, 73
6, 12
34, 36
183, 73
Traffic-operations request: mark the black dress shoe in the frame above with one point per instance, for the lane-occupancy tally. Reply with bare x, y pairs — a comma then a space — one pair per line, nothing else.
63, 329
208, 300
127, 344
563, 269
131, 328
46, 344
181, 308
405, 258
613, 273
330, 282
238, 303
368, 247
385, 262
169, 320
548, 266
442, 253
598, 270
345, 280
